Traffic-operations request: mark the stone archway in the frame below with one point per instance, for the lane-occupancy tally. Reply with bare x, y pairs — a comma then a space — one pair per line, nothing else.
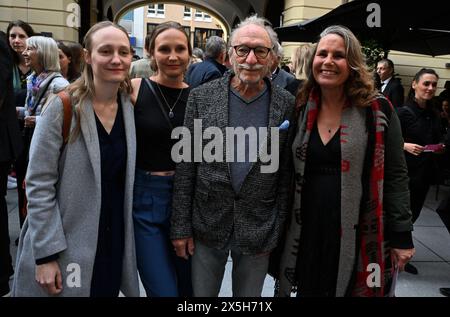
227, 12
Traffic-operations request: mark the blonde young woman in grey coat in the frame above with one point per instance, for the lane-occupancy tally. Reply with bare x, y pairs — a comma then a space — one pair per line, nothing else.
78, 239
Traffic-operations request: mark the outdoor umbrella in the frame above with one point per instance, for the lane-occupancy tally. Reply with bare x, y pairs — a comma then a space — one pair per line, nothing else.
423, 30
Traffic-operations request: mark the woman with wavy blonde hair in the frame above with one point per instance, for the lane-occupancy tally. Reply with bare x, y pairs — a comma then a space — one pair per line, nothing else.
348, 148
300, 59
78, 239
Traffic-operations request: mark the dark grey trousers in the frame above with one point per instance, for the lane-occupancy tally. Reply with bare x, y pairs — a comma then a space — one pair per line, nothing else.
208, 267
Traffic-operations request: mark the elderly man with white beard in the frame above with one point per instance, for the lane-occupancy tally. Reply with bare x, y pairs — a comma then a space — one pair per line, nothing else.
234, 206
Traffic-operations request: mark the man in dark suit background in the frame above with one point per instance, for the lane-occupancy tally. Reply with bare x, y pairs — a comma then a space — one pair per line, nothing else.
11, 146
212, 67
391, 86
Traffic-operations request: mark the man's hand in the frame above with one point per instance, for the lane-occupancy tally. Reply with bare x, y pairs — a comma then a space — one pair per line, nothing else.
184, 247
402, 256
49, 277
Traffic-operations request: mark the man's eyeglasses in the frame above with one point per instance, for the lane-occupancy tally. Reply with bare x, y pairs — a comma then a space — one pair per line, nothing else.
244, 50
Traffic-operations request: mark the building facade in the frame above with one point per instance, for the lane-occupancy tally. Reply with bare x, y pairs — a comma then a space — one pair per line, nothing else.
199, 25
59, 18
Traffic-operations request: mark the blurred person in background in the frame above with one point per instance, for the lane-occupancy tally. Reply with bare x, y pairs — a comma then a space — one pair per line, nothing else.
211, 67
421, 126
11, 147
67, 63
141, 68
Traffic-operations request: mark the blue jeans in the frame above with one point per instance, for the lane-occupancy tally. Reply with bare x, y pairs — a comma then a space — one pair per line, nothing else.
162, 273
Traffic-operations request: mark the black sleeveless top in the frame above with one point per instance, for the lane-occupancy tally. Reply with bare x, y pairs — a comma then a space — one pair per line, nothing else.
153, 133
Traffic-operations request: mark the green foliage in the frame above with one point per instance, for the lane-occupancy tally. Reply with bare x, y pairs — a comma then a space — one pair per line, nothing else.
373, 53
285, 61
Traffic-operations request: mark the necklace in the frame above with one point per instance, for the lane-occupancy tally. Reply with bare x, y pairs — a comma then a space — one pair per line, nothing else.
171, 114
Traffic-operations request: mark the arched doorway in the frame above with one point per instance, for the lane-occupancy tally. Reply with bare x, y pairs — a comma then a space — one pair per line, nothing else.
198, 23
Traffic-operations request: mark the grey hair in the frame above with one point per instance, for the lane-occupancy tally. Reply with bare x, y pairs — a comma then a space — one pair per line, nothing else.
278, 50
47, 52
215, 46
198, 52
255, 20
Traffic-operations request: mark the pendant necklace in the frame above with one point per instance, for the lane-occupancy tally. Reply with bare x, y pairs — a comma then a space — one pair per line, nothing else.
171, 114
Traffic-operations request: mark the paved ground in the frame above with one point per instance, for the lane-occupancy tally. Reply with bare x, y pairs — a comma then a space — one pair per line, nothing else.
431, 239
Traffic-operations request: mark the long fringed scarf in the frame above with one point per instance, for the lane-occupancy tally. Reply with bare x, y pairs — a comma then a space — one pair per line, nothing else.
372, 246
369, 238
33, 85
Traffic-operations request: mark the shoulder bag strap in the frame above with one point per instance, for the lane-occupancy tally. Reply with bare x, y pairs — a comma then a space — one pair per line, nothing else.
158, 101
67, 115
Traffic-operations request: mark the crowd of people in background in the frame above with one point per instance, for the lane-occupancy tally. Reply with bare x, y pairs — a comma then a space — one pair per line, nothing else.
113, 198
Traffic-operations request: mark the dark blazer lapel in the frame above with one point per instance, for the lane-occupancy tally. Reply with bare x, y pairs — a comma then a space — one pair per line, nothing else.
89, 131
388, 88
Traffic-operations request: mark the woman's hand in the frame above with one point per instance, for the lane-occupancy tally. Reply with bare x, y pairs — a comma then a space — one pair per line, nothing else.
30, 121
414, 149
402, 256
49, 277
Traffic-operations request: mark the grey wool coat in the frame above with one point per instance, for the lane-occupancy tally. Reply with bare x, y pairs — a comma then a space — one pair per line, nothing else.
205, 205
64, 200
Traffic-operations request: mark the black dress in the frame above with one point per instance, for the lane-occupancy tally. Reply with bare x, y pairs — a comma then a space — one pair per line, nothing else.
107, 274
318, 258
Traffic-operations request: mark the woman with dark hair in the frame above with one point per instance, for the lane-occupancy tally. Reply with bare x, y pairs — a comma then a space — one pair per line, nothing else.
78, 238
421, 129
77, 55
348, 148
67, 63
11, 147
17, 33
159, 106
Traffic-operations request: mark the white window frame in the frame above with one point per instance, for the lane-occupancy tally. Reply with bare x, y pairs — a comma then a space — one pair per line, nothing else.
156, 10
202, 16
187, 15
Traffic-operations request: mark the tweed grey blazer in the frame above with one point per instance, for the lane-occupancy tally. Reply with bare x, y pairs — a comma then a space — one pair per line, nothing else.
64, 200
206, 207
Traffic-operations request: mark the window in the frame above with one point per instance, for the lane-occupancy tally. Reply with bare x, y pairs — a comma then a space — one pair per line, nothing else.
187, 30
187, 13
151, 27
201, 35
156, 10
202, 16
129, 16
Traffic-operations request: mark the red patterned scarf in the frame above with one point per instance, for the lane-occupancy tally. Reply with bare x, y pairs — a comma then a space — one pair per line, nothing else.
372, 247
